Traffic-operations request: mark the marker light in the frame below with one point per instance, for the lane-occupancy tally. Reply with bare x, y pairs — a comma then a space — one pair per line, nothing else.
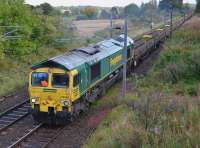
33, 100
65, 102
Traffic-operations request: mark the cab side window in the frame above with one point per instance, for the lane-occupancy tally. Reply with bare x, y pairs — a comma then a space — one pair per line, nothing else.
76, 80
129, 53
95, 71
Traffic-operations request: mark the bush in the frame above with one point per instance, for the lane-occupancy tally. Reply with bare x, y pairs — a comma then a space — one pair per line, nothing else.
196, 61
81, 17
117, 131
1, 49
198, 7
174, 72
32, 30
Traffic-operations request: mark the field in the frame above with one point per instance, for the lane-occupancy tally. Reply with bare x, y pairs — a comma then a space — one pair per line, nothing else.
87, 28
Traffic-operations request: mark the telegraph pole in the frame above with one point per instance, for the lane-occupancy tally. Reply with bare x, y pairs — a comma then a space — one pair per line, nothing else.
171, 20
151, 25
124, 57
111, 24
171, 17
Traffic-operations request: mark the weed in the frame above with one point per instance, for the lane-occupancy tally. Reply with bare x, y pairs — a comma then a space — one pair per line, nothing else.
163, 108
174, 72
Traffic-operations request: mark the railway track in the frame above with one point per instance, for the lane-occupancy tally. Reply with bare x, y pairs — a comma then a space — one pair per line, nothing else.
13, 115
38, 137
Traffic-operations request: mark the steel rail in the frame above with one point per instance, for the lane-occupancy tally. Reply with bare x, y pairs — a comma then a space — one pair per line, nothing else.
15, 144
43, 138
13, 115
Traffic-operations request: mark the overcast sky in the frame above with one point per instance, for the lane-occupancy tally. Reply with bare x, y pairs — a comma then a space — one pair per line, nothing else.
104, 3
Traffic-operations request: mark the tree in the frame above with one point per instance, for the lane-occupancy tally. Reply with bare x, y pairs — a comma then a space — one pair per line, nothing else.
20, 16
1, 48
165, 5
47, 8
90, 12
177, 3
132, 10
198, 7
28, 30
75, 10
168, 4
186, 8
115, 12
104, 14
154, 3
148, 10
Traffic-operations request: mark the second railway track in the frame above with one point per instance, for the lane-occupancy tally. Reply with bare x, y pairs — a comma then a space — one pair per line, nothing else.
35, 136
39, 137
13, 115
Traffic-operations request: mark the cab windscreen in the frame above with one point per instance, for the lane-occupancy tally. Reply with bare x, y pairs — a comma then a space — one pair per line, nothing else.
40, 79
60, 80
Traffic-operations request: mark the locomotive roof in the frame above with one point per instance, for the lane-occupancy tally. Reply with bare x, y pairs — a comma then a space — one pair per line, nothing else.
89, 55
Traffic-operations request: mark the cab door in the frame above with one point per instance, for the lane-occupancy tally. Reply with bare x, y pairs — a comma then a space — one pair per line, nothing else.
75, 85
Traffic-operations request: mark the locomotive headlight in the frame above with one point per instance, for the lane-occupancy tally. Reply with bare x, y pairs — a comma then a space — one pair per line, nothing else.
65, 102
34, 99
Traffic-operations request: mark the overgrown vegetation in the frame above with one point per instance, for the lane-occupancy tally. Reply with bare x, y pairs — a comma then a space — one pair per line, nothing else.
178, 67
161, 109
198, 7
27, 35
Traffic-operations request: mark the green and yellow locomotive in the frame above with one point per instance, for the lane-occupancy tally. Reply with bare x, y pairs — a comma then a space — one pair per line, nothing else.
63, 86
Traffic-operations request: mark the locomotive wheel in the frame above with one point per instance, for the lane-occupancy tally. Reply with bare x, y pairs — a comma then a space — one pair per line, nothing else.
36, 120
51, 121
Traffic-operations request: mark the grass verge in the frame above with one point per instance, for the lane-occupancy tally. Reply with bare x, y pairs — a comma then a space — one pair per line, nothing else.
161, 109
14, 71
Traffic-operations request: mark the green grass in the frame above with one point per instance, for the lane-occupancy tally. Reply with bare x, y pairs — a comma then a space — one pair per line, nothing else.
116, 131
161, 109
14, 71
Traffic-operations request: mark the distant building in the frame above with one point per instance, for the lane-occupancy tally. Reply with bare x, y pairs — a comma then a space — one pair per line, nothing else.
66, 12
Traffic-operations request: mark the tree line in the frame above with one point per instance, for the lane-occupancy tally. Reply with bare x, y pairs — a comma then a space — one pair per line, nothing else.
131, 10
24, 28
198, 6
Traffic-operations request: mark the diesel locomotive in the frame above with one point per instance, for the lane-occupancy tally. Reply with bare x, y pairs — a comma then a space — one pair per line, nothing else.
63, 86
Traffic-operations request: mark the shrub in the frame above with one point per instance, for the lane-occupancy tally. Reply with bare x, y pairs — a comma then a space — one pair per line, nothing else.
81, 17
32, 30
117, 131
1, 49
196, 61
169, 121
174, 72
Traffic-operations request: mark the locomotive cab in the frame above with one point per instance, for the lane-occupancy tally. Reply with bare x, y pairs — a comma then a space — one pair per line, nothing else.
52, 91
